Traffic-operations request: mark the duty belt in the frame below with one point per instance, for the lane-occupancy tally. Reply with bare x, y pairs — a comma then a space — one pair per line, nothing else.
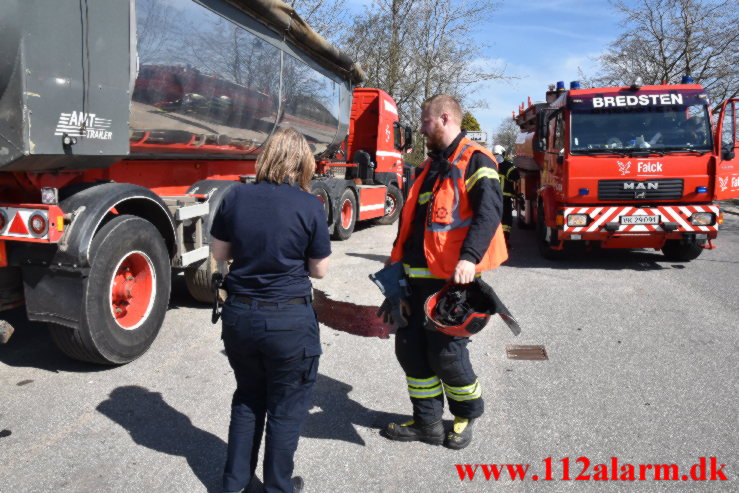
303, 300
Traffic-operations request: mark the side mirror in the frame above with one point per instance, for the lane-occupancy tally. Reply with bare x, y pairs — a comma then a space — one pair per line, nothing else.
408, 138
727, 153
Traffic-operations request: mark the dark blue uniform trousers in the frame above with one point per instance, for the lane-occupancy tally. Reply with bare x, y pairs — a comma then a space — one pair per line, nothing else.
274, 352
426, 354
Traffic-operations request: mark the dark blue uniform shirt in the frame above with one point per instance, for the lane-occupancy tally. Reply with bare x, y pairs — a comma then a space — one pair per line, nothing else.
273, 231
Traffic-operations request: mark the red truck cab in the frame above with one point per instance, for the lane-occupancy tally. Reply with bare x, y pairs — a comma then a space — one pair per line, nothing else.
626, 167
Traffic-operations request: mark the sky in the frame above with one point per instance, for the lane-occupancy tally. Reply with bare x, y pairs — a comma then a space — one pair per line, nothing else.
539, 41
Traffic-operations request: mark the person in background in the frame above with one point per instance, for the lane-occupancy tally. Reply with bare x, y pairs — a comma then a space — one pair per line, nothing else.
508, 176
449, 230
275, 232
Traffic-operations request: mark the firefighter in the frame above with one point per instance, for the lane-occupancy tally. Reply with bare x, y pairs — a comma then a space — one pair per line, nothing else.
508, 177
449, 229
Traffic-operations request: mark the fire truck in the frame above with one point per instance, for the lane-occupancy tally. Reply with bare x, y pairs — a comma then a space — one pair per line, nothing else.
625, 167
122, 126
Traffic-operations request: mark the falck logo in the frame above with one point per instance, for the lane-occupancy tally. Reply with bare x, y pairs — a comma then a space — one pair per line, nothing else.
80, 124
624, 168
723, 183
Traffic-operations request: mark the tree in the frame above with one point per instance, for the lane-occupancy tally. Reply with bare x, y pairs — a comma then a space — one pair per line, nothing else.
666, 39
414, 49
469, 122
506, 135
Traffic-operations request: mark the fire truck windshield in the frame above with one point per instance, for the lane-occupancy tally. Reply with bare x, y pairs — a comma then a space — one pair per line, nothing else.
663, 129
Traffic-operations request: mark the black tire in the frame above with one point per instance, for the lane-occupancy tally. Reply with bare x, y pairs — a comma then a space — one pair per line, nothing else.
521, 213
198, 280
197, 276
322, 195
217, 190
545, 248
393, 205
346, 217
677, 251
125, 249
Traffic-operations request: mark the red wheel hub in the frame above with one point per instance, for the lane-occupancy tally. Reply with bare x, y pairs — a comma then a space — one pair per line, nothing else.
132, 290
347, 212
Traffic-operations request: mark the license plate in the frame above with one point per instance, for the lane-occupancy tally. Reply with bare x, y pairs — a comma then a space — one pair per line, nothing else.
640, 219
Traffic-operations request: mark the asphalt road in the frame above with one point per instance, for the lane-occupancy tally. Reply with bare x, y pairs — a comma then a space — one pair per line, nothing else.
643, 366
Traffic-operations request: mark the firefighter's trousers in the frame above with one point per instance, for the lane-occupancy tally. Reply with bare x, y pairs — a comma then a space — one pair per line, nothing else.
435, 364
507, 218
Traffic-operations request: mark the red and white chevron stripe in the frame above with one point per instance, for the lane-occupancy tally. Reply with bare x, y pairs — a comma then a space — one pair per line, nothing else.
679, 214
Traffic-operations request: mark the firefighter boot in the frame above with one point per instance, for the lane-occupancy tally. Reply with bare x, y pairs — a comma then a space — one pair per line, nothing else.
411, 431
460, 435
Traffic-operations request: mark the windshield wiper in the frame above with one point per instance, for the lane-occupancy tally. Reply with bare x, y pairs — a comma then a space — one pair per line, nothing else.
599, 152
691, 150
645, 153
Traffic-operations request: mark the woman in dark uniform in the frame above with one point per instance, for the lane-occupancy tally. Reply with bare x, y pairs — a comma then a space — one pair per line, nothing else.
275, 231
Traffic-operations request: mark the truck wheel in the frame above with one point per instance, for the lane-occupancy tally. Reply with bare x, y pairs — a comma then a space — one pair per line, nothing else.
521, 205
393, 205
347, 216
676, 250
198, 281
126, 295
197, 276
322, 195
545, 248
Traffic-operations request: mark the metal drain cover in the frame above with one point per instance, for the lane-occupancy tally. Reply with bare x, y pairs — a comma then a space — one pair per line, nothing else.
526, 352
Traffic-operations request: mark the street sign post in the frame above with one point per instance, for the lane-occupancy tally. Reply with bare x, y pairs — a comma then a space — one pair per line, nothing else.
478, 136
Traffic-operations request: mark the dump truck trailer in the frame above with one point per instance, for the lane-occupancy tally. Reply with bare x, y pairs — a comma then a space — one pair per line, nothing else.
124, 123
626, 167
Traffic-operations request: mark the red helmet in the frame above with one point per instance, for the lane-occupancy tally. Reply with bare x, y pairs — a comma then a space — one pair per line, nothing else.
460, 310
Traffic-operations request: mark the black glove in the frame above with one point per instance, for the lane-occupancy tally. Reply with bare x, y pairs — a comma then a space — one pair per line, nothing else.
395, 313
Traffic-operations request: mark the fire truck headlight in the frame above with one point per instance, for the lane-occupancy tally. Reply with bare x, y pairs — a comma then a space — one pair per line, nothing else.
577, 220
702, 219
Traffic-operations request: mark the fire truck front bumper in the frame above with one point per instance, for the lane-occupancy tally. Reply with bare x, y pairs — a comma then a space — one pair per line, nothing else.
638, 227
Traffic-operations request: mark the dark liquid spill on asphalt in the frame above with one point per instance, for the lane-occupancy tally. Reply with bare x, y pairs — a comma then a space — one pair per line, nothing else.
348, 317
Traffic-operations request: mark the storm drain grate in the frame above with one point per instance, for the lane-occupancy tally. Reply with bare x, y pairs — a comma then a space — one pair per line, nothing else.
526, 352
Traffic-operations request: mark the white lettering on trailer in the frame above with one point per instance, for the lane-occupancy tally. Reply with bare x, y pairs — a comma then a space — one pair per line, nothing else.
81, 124
641, 100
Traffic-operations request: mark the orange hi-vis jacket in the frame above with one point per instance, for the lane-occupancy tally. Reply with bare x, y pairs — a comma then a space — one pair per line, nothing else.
450, 215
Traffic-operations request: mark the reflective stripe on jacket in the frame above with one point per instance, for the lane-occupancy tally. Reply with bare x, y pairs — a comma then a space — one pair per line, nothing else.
450, 215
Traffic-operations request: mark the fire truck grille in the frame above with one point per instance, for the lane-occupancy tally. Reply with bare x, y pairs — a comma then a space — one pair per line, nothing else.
640, 190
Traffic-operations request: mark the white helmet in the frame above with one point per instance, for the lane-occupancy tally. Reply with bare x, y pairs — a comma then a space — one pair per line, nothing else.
498, 149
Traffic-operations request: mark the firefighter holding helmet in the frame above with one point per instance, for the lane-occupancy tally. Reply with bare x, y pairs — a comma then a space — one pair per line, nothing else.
449, 231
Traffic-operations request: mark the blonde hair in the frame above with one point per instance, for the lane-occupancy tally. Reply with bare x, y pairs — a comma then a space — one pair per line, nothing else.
443, 103
286, 155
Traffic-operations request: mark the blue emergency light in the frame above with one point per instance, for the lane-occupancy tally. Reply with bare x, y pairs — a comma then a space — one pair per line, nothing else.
584, 191
575, 84
560, 86
701, 189
687, 79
